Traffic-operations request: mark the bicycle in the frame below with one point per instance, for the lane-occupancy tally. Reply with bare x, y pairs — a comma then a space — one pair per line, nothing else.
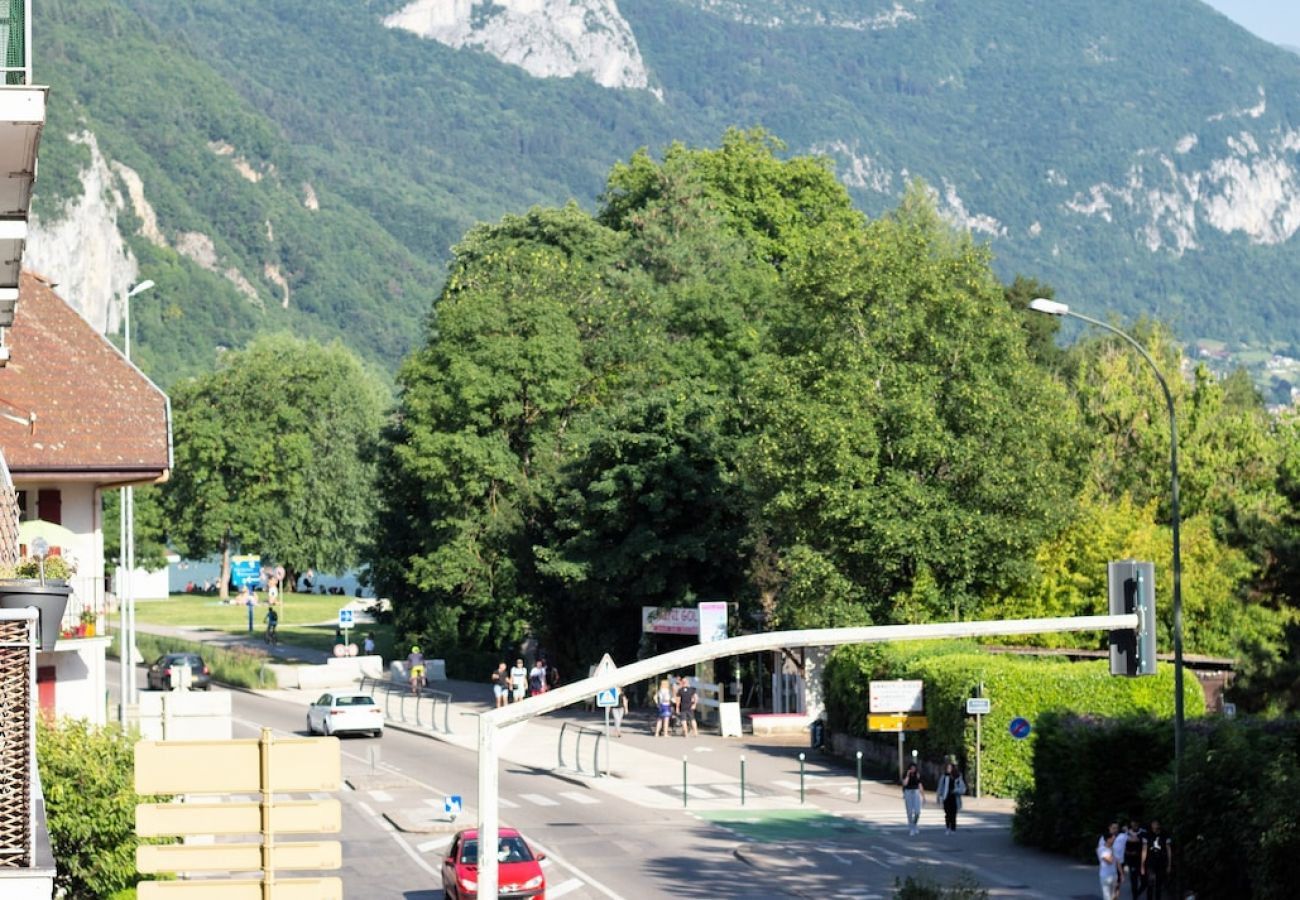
417, 679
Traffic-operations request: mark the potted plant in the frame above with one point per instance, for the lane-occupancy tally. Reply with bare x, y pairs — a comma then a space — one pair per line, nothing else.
88, 622
39, 580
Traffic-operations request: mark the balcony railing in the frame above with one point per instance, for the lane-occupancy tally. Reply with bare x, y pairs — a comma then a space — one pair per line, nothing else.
16, 38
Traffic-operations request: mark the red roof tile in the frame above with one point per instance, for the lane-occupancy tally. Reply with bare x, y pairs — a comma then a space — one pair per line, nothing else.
97, 416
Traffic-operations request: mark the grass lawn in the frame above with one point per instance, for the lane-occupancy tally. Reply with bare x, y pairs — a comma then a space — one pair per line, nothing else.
306, 620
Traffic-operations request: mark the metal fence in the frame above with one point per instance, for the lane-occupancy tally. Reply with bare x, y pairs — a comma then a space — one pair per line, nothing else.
577, 735
419, 709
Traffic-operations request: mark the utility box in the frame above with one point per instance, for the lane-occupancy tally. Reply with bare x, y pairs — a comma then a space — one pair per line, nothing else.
1132, 589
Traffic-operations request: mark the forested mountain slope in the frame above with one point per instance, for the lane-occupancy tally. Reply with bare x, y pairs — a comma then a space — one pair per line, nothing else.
272, 163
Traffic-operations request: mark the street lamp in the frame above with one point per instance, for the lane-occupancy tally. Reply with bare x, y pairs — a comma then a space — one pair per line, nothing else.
1053, 308
126, 543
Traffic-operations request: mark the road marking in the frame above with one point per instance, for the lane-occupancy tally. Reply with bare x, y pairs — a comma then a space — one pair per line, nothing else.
591, 882
538, 800
561, 889
579, 797
361, 804
428, 846
732, 789
380, 796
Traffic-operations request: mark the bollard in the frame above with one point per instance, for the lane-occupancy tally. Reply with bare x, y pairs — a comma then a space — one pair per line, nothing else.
683, 780
801, 778
742, 780
859, 776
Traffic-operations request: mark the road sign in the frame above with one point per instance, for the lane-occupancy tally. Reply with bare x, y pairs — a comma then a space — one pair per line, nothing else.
236, 857
978, 706
605, 666
897, 723
1019, 728
607, 698
898, 696
345, 618
287, 817
453, 805
245, 570
234, 767
241, 889
712, 617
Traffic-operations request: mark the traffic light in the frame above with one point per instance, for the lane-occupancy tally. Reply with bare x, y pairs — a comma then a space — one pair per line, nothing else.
1132, 588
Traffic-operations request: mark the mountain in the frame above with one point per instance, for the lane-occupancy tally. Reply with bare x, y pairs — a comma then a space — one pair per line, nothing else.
279, 165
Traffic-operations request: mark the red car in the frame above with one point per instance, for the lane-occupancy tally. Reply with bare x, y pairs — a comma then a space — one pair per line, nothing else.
519, 869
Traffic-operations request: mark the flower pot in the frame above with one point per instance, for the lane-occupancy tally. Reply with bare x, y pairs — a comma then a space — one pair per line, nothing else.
90, 629
50, 599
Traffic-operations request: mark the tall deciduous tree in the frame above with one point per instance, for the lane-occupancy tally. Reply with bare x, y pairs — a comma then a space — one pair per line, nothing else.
274, 454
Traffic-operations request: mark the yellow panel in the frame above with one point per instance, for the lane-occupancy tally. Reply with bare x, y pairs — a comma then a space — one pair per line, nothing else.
307, 855
241, 889
197, 767
234, 767
897, 723
151, 858
290, 817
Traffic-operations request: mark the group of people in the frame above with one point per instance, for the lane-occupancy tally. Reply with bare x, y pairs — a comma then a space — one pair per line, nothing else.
514, 684
947, 793
676, 705
1143, 856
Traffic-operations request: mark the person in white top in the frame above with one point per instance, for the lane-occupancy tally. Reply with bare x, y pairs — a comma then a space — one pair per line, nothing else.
518, 681
1108, 866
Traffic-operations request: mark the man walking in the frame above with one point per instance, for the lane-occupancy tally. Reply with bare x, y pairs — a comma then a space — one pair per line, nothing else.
1131, 856
1157, 861
687, 699
518, 681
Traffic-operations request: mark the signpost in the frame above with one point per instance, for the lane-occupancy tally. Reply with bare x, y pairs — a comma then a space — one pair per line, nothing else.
245, 570
978, 707
898, 698
266, 766
345, 622
606, 700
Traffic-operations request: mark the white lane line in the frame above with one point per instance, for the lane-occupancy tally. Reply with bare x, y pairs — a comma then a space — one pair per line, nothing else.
406, 848
581, 797
380, 796
561, 889
538, 800
361, 804
731, 789
591, 882
435, 844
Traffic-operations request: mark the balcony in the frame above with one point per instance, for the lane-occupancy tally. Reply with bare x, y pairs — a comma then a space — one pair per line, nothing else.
22, 117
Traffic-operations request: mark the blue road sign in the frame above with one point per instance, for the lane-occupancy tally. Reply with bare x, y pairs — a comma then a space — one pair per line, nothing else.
607, 698
1019, 728
345, 618
452, 805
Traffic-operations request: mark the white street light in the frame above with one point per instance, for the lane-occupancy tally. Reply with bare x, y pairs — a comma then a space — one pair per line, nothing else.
126, 545
1053, 308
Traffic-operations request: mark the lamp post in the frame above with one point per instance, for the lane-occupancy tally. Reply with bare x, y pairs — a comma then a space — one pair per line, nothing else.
126, 545
1053, 308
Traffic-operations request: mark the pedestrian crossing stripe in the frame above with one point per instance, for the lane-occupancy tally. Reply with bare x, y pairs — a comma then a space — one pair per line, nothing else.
539, 799
580, 797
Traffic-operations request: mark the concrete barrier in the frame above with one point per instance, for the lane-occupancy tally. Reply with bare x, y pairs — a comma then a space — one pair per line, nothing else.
779, 723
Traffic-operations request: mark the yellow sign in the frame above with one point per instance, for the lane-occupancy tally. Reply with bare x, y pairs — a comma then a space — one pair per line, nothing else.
234, 767
241, 889
151, 858
287, 817
897, 723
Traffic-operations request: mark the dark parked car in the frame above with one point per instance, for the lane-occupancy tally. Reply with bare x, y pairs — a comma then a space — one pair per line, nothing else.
162, 674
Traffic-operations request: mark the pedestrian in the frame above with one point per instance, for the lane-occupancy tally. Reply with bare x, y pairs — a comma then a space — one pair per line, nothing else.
620, 710
368, 645
1108, 866
518, 681
249, 602
272, 591
501, 684
687, 699
537, 678
913, 796
1131, 857
1157, 860
552, 677
272, 623
951, 788
664, 702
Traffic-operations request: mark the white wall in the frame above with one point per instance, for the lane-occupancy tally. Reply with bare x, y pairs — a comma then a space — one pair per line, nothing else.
80, 690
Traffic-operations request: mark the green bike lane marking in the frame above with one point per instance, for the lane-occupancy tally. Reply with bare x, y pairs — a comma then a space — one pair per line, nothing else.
783, 825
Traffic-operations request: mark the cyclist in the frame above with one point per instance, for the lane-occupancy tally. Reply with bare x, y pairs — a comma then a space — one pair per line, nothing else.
272, 624
415, 668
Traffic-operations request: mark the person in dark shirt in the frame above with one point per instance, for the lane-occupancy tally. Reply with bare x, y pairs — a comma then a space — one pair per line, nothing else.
687, 699
1157, 861
1132, 861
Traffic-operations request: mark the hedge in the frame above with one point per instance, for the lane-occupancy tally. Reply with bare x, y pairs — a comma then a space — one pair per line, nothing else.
1017, 686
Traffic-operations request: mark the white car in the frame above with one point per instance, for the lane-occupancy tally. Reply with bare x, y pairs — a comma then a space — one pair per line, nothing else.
335, 713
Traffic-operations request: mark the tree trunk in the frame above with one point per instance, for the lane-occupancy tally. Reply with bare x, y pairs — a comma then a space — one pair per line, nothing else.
223, 589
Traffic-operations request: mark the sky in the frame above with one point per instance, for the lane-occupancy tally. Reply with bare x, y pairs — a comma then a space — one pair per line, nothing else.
1273, 20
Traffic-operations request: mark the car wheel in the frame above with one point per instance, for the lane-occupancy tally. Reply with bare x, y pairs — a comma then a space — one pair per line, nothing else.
311, 729
378, 732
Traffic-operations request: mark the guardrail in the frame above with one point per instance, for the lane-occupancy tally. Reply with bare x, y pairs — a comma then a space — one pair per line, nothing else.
415, 702
579, 732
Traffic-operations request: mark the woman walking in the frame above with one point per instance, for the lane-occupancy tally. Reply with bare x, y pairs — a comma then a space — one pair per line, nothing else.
913, 795
950, 791
664, 700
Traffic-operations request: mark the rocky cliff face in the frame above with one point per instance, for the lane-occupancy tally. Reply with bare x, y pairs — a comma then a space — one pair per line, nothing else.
545, 38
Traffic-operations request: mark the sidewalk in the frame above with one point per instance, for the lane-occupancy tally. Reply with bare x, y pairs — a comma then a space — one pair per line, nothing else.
780, 829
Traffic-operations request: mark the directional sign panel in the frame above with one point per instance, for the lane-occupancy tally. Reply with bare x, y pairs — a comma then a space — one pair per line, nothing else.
978, 706
236, 857
234, 767
897, 723
241, 889
345, 618
287, 817
607, 698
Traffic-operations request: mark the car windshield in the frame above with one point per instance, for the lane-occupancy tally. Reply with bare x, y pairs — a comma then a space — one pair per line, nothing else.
362, 700
509, 850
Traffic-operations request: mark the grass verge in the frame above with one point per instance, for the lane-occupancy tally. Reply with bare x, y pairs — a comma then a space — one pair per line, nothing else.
241, 666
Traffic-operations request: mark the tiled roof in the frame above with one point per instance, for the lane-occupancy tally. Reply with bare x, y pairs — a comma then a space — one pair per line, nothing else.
97, 416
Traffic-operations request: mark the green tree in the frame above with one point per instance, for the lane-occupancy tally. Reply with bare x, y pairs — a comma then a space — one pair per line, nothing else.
150, 527
274, 454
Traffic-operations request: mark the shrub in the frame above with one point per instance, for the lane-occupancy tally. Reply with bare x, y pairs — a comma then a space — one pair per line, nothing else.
87, 774
923, 888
